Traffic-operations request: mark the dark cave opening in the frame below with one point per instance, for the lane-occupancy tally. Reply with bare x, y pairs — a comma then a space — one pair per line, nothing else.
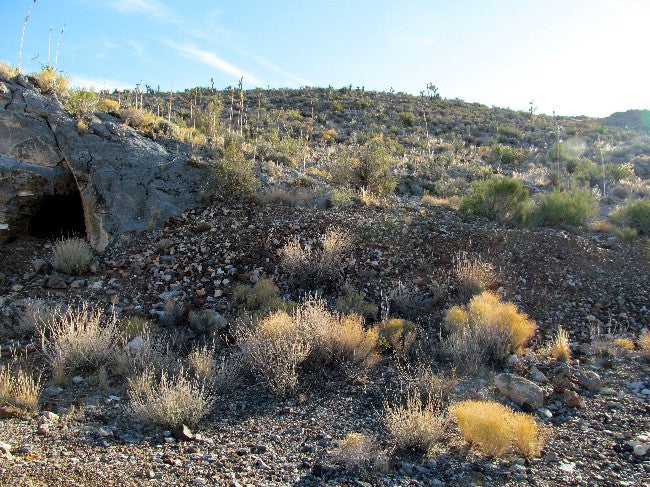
57, 216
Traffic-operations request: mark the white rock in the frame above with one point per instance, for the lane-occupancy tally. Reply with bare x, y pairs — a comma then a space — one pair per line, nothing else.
641, 450
77, 379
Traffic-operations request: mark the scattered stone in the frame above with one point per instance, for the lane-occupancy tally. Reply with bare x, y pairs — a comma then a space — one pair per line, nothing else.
49, 416
55, 282
589, 380
641, 450
522, 391
538, 376
43, 429
573, 400
5, 448
77, 379
182, 433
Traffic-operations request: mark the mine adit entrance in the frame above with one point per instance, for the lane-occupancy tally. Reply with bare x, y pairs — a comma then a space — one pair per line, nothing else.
58, 215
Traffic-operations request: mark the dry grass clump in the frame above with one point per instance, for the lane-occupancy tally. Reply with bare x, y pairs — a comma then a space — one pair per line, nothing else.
260, 299
35, 315
473, 276
315, 266
432, 387
496, 429
80, 340
624, 343
560, 349
137, 118
202, 360
7, 71
275, 347
644, 343
414, 426
49, 81
73, 255
106, 105
273, 350
171, 401
486, 311
359, 452
19, 389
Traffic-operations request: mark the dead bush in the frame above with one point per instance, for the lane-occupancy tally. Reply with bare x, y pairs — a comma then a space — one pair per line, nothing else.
73, 255
80, 340
311, 266
473, 276
170, 401
414, 426
360, 453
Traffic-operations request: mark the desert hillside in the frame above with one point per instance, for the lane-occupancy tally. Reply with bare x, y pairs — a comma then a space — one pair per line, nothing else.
319, 286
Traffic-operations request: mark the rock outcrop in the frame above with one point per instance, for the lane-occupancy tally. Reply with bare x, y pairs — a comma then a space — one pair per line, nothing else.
127, 182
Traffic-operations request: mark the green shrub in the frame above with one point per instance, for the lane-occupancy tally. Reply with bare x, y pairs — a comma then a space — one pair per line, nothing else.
234, 173
374, 170
509, 155
572, 207
407, 118
82, 103
337, 107
107, 105
635, 214
261, 299
502, 199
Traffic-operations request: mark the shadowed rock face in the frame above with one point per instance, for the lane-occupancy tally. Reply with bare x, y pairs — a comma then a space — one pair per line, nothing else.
126, 182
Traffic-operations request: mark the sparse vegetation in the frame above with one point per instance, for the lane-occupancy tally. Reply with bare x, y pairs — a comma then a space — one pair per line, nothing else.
73, 255
414, 426
359, 452
49, 81
560, 349
19, 389
636, 215
495, 429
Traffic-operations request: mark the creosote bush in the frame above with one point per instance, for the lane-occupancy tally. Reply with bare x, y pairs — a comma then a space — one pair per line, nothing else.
170, 401
19, 389
572, 207
496, 429
414, 426
500, 198
73, 255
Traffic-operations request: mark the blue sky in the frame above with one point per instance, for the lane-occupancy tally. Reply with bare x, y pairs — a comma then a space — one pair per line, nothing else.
572, 56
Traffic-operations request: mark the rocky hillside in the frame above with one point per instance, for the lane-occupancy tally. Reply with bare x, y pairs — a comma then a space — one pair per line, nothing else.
321, 287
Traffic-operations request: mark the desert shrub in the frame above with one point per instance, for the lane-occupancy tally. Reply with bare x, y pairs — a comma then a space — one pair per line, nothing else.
273, 351
375, 169
314, 267
473, 275
500, 198
203, 362
138, 118
635, 214
351, 301
413, 304
626, 234
337, 106
205, 320
82, 103
175, 315
35, 315
396, 335
72, 255
359, 452
573, 207
106, 105
624, 343
350, 345
329, 134
260, 299
170, 401
485, 331
414, 426
19, 389
560, 349
644, 343
406, 118
7, 71
134, 326
509, 155
49, 81
495, 429
434, 388
234, 173
80, 340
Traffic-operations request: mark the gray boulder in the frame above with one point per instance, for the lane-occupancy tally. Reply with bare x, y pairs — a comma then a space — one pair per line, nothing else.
520, 390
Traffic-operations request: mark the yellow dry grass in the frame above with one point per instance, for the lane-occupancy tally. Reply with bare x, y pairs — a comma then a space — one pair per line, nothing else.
496, 429
560, 349
624, 343
644, 343
19, 389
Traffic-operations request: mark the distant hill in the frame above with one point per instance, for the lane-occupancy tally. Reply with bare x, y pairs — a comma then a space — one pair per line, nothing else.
631, 119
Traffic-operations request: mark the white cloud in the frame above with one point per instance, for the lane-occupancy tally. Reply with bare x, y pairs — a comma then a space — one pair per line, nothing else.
209, 58
99, 84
